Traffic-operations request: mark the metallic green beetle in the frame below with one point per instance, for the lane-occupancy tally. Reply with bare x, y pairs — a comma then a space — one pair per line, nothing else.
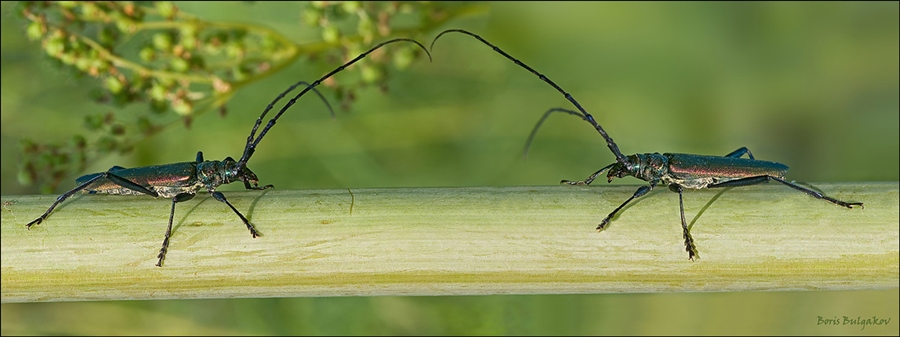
677, 170
181, 181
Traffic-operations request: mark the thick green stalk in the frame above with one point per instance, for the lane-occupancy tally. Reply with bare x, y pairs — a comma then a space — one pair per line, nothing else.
440, 241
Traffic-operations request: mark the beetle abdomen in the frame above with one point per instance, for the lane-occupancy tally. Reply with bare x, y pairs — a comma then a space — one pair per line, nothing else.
690, 166
167, 180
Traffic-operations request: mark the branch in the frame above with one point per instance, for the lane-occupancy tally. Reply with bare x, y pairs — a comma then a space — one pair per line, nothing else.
442, 241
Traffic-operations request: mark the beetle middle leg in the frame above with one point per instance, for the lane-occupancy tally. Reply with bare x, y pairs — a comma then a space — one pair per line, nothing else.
688, 240
165, 246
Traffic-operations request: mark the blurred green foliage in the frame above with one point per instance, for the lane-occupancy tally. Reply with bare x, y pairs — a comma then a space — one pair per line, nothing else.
154, 52
811, 85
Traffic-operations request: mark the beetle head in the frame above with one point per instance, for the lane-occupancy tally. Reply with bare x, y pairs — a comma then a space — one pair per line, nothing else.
236, 171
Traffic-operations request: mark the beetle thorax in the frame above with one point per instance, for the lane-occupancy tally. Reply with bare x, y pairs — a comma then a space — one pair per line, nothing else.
215, 173
648, 167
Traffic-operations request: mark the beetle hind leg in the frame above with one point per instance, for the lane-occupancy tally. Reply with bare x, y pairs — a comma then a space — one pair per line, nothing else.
740, 153
107, 175
766, 178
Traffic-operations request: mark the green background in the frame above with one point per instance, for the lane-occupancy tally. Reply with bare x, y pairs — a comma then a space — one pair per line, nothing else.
811, 85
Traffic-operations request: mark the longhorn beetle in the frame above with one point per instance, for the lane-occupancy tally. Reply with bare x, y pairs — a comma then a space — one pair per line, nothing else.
181, 181
677, 170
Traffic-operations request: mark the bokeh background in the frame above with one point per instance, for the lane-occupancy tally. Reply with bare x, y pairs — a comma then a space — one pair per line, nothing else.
811, 85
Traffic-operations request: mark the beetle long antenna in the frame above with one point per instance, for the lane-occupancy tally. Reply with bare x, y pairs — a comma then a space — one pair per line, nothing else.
251, 144
585, 115
541, 121
272, 105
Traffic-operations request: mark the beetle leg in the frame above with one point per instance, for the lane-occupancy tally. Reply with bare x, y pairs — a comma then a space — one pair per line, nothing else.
640, 191
740, 152
60, 199
221, 197
165, 246
590, 179
128, 184
109, 176
688, 240
247, 186
587, 181
762, 179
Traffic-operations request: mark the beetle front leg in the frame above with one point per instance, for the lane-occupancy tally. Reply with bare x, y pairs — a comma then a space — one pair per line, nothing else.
587, 181
247, 186
590, 179
640, 191
221, 197
165, 246
688, 240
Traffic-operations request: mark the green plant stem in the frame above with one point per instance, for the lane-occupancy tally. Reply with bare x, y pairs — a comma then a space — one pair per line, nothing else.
441, 241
